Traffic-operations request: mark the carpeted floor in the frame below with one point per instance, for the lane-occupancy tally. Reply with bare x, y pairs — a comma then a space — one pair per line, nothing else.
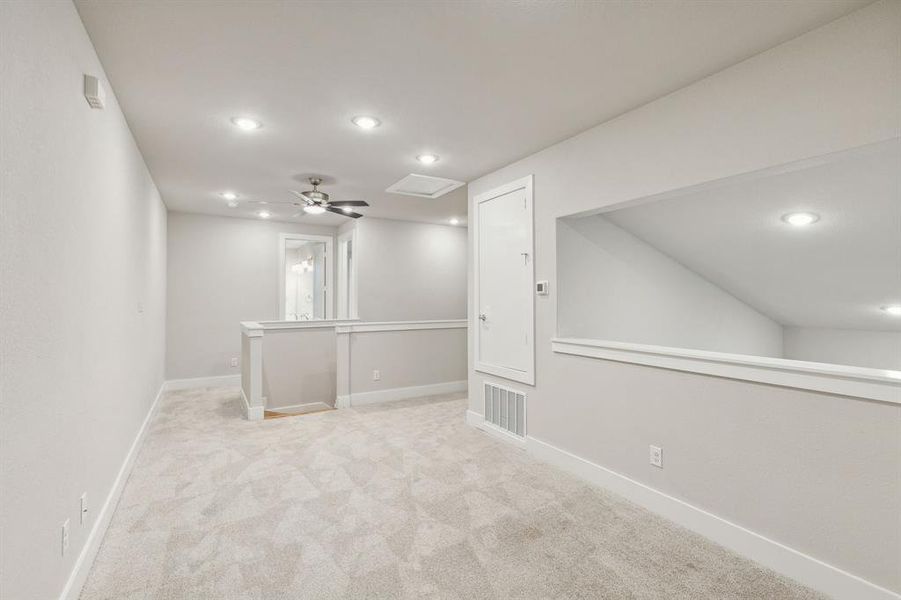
398, 500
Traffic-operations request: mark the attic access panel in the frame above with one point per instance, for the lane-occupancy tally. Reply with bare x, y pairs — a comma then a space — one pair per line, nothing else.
424, 186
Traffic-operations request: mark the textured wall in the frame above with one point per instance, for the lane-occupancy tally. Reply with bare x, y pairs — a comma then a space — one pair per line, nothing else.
410, 271
83, 271
407, 358
876, 349
221, 271
614, 286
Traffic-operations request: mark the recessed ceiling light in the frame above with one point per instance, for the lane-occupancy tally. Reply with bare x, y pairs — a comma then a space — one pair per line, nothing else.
455, 221
264, 214
229, 195
233, 204
364, 122
427, 159
313, 209
801, 219
246, 123
892, 309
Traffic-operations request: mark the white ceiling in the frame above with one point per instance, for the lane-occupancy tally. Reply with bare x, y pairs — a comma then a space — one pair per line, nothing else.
479, 83
835, 273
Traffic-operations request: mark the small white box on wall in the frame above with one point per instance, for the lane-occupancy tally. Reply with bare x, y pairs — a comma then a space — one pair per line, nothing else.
93, 91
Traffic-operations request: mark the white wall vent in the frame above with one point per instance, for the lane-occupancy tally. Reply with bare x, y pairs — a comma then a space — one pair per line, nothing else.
505, 409
424, 186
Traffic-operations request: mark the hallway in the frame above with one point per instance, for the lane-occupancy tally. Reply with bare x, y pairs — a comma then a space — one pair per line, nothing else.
398, 500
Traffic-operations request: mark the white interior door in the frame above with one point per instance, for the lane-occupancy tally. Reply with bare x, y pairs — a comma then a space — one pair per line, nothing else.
504, 281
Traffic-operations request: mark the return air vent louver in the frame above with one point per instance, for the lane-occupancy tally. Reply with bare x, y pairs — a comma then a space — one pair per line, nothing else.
505, 409
424, 186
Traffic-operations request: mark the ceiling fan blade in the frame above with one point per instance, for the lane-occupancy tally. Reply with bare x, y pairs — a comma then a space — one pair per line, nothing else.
343, 213
301, 197
341, 203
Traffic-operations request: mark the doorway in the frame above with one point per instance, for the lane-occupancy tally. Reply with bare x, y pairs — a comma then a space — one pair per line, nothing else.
304, 277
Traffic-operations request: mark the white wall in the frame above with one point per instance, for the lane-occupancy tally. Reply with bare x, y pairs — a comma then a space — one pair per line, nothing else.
876, 349
410, 271
221, 271
831, 89
614, 286
406, 358
299, 367
82, 266
225, 270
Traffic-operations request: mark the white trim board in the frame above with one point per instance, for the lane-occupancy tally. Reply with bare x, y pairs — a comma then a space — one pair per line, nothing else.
792, 563
255, 413
85, 560
528, 376
299, 409
369, 327
402, 393
258, 327
202, 382
859, 382
346, 285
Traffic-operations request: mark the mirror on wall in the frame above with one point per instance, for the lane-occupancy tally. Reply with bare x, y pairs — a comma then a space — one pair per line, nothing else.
305, 278
799, 262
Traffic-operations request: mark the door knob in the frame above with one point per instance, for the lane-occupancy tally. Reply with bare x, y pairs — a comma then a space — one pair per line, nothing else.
483, 317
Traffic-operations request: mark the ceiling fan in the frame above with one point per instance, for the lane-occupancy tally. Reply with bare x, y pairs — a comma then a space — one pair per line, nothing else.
316, 202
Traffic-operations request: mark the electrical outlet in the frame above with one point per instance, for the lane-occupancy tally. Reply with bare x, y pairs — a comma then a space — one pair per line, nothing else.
376, 375
65, 538
84, 508
140, 307
656, 455
234, 362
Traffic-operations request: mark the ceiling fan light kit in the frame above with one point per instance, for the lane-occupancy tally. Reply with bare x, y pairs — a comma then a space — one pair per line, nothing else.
316, 202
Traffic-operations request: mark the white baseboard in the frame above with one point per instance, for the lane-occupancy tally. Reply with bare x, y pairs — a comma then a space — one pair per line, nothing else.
251, 413
342, 401
299, 409
202, 382
770, 553
416, 391
801, 567
85, 560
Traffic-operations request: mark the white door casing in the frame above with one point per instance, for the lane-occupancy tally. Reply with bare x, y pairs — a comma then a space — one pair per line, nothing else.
504, 280
347, 275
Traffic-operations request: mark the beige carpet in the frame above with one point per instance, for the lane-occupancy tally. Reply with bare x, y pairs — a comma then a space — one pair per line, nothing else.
397, 500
